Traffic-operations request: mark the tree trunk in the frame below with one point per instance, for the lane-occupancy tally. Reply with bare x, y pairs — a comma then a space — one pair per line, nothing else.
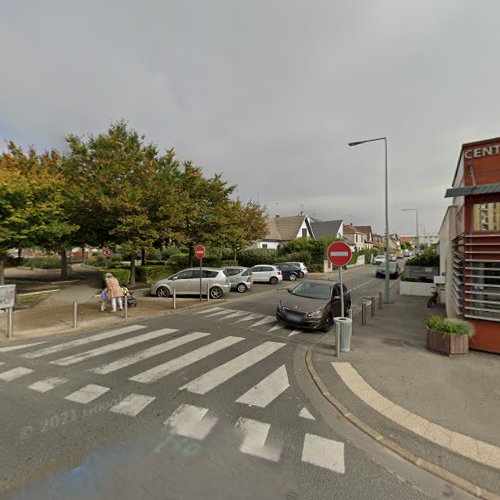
19, 255
2, 269
64, 264
132, 270
191, 255
143, 257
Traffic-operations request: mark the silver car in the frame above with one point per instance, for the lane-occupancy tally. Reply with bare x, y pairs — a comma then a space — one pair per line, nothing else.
187, 282
266, 274
240, 277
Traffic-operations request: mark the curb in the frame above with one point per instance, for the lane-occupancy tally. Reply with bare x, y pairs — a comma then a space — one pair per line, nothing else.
403, 452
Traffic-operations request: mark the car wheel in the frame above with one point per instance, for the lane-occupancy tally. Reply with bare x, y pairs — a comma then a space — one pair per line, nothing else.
273, 280
301, 274
241, 288
163, 291
292, 277
328, 324
215, 292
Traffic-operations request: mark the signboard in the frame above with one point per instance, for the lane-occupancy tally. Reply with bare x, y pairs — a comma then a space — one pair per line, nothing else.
339, 253
200, 252
7, 296
106, 252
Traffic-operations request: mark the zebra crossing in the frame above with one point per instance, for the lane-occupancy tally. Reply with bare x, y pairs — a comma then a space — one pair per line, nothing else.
240, 356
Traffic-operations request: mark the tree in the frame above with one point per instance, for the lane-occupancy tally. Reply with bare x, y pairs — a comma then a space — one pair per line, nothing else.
31, 201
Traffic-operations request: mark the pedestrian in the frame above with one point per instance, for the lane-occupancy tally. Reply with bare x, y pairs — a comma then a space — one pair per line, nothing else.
115, 292
104, 299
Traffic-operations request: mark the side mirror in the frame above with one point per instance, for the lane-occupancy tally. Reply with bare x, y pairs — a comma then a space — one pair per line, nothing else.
336, 297
174, 278
289, 290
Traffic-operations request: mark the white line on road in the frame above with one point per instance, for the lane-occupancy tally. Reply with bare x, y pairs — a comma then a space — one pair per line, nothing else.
87, 394
221, 374
121, 344
254, 442
305, 413
206, 311
10, 375
267, 390
323, 452
23, 346
132, 405
47, 384
295, 332
82, 341
235, 314
278, 326
147, 353
249, 317
191, 421
219, 313
160, 371
265, 321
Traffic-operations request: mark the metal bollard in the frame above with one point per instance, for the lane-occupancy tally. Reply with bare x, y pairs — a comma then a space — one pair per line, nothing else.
208, 292
125, 308
175, 300
363, 313
380, 300
337, 340
373, 304
75, 314
10, 323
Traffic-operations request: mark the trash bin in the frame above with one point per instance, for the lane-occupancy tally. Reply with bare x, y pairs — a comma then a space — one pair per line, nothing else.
345, 327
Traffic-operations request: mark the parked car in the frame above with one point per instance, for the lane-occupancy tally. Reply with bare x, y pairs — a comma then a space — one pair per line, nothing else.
380, 259
290, 272
394, 270
301, 266
407, 253
313, 304
187, 282
240, 277
266, 273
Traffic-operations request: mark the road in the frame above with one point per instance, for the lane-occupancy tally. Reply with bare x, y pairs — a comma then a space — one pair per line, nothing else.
206, 403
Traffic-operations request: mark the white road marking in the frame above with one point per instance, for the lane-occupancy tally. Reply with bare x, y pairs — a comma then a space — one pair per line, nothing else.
295, 332
305, 413
160, 371
191, 421
213, 309
323, 452
10, 375
249, 317
254, 442
219, 313
267, 390
147, 353
121, 344
278, 326
82, 341
132, 405
265, 321
47, 384
87, 394
221, 374
235, 314
22, 346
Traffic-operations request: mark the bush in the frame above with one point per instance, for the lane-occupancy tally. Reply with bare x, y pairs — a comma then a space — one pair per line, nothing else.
170, 250
252, 256
315, 249
156, 262
153, 254
97, 260
429, 258
229, 263
315, 268
151, 274
116, 258
303, 256
178, 261
12, 261
451, 326
51, 262
122, 275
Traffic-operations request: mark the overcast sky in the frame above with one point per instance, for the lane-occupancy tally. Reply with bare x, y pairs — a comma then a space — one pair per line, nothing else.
268, 93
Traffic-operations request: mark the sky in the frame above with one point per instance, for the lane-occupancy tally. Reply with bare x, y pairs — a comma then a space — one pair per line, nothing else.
268, 92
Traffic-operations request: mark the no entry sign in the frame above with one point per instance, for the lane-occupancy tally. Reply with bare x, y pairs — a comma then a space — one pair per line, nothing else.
339, 253
106, 252
200, 252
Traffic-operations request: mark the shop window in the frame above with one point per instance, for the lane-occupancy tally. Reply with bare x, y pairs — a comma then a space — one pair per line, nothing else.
487, 216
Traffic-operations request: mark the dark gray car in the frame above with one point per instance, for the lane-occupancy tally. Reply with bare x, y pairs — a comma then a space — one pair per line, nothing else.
313, 304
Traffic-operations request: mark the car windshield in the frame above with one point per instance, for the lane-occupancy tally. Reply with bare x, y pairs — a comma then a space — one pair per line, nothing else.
313, 290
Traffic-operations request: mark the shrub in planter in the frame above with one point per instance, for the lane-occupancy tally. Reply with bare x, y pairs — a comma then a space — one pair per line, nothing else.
448, 336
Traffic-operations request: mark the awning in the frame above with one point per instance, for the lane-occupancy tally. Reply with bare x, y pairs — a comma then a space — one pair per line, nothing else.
470, 190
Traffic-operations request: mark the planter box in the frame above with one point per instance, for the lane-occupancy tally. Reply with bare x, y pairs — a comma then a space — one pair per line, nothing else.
446, 343
415, 288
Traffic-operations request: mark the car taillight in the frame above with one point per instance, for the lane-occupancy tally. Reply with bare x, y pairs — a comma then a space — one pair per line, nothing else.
305, 268
279, 273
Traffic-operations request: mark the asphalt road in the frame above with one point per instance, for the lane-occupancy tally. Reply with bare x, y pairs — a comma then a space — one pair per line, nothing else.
208, 403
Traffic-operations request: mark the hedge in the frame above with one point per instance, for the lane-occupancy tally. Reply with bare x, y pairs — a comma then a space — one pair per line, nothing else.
151, 274
122, 275
253, 256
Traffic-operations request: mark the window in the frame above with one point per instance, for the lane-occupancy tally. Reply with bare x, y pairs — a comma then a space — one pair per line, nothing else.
304, 233
264, 245
486, 216
247, 273
266, 268
184, 275
209, 274
257, 269
232, 271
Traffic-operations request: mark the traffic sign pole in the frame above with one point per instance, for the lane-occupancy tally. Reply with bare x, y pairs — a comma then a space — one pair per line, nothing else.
341, 293
339, 254
200, 253
200, 279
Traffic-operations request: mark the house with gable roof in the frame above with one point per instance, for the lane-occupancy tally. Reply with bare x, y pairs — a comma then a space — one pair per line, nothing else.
283, 229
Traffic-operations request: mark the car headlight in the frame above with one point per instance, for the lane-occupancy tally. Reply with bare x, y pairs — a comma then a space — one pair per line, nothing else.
315, 314
280, 307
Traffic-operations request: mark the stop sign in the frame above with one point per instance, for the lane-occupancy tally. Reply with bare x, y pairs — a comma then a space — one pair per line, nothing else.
339, 253
200, 251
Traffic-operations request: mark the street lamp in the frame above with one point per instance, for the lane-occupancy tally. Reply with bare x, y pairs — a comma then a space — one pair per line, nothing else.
387, 243
416, 225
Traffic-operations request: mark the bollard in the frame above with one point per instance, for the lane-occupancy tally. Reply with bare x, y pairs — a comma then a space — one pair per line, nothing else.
125, 307
380, 300
208, 292
10, 323
337, 340
175, 300
373, 304
363, 313
75, 314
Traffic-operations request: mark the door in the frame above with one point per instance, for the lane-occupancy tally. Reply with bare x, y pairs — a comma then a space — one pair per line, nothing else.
258, 273
181, 282
267, 272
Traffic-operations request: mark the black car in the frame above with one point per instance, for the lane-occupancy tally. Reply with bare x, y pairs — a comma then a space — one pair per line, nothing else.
289, 272
313, 304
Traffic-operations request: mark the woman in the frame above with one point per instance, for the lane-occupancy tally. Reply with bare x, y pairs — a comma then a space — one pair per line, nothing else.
115, 292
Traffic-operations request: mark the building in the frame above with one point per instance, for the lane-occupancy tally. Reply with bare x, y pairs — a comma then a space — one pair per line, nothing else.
283, 229
369, 235
329, 229
354, 237
470, 242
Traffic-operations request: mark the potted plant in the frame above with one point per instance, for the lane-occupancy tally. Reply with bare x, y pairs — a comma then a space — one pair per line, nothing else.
448, 336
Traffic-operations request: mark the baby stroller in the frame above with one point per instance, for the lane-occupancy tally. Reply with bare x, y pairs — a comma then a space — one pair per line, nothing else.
128, 296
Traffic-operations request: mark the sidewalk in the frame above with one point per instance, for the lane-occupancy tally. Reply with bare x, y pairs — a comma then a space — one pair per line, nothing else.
439, 410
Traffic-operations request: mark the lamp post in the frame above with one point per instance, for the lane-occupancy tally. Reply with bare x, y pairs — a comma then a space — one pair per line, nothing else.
416, 225
387, 242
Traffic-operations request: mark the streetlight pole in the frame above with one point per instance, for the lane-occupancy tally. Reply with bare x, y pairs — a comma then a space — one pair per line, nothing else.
416, 225
387, 242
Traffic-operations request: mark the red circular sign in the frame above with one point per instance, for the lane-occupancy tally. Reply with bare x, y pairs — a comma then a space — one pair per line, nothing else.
106, 252
339, 253
200, 251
